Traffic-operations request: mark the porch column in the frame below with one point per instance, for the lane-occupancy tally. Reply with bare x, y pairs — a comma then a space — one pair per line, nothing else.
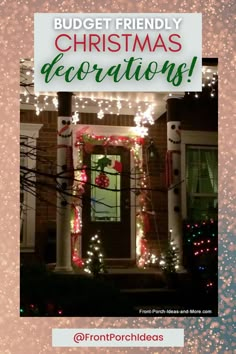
173, 173
64, 182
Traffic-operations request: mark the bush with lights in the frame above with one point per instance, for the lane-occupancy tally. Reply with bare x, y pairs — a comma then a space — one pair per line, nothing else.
201, 248
169, 261
95, 261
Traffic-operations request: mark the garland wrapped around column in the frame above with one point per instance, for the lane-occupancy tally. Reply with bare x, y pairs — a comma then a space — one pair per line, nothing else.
76, 217
144, 257
76, 226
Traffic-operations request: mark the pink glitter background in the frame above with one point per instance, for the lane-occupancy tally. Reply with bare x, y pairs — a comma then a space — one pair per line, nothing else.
33, 335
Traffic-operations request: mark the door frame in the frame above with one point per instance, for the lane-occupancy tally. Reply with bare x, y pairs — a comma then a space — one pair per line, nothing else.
111, 130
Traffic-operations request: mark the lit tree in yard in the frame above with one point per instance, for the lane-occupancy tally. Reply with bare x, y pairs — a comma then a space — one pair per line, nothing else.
169, 261
169, 264
95, 261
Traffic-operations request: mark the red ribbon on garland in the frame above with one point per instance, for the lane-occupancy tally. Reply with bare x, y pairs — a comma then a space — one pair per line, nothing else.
76, 223
143, 246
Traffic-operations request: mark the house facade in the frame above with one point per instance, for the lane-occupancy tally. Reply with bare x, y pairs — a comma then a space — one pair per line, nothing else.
174, 169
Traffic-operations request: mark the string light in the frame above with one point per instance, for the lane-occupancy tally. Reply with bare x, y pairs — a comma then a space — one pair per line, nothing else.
119, 105
141, 131
209, 83
95, 262
80, 102
100, 114
169, 261
143, 114
107, 103
75, 118
144, 258
202, 250
142, 118
55, 102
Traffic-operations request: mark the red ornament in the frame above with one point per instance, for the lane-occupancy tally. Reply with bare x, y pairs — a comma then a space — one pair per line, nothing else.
102, 180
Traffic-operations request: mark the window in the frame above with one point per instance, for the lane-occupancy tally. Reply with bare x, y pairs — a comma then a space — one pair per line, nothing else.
29, 134
105, 202
201, 182
199, 170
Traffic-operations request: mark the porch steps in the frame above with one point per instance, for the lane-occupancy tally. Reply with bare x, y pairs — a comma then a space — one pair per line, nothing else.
148, 289
135, 279
119, 292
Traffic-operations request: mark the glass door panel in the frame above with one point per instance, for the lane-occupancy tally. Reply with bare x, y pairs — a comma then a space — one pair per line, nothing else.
105, 202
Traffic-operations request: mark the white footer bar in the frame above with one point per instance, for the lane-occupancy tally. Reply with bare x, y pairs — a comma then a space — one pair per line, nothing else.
114, 337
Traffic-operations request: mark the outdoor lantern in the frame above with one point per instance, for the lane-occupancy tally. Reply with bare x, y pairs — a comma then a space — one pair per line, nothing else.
151, 150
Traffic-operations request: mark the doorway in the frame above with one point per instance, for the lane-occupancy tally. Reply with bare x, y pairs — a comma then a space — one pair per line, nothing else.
106, 201
110, 210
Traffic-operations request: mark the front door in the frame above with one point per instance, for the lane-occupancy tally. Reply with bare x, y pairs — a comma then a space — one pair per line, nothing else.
106, 201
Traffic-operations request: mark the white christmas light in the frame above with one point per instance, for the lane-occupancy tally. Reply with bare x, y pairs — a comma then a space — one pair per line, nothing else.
137, 119
100, 114
141, 131
55, 102
119, 105
145, 117
75, 118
